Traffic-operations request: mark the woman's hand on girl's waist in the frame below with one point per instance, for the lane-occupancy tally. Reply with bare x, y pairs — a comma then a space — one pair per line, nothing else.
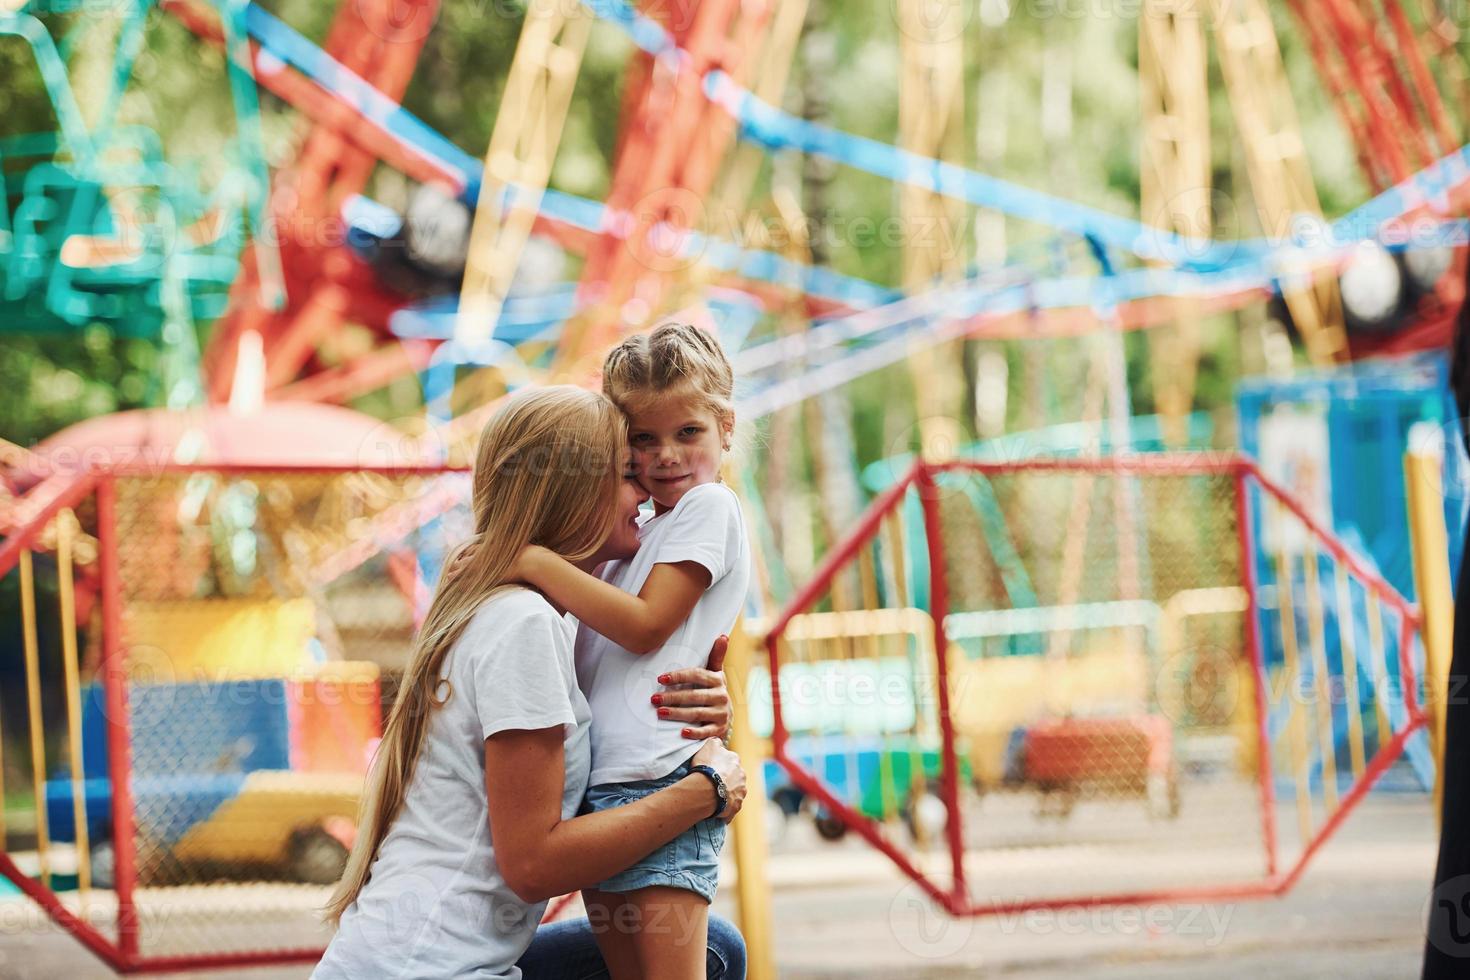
697, 696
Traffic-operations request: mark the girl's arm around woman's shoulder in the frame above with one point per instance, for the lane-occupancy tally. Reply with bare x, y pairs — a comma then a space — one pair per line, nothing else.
697, 548
541, 855
638, 623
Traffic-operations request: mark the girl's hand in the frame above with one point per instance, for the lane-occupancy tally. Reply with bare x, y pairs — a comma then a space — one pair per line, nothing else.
714, 754
459, 562
521, 568
705, 704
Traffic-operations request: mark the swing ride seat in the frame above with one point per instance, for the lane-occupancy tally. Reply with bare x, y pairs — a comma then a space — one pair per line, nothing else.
877, 776
1129, 756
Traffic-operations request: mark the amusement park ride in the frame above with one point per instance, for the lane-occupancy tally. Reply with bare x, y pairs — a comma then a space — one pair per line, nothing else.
200, 521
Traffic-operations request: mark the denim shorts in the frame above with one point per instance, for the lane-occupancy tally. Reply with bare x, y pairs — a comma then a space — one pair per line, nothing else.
690, 861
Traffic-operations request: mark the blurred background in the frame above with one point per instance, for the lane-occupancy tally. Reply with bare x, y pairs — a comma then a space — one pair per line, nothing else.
1099, 446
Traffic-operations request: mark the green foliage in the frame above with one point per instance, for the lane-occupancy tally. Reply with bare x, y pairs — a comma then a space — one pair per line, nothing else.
23, 102
48, 382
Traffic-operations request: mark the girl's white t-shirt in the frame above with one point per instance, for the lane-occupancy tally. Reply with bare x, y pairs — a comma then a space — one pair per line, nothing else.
630, 742
436, 905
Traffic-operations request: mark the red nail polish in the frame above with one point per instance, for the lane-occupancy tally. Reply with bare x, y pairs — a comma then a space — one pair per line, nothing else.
657, 699
663, 678
686, 732
663, 712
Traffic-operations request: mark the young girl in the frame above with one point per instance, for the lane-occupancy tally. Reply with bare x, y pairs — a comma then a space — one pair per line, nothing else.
656, 612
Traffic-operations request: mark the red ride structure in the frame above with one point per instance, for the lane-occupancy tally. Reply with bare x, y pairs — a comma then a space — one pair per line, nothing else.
671, 143
380, 41
1389, 102
1261, 809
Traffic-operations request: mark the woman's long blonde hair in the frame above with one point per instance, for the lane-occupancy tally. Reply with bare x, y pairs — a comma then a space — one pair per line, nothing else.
546, 472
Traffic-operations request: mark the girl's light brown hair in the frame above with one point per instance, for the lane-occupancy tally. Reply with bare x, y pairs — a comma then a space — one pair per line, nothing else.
546, 472
675, 357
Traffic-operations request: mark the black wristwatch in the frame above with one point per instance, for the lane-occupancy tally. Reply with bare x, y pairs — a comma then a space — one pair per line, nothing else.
721, 794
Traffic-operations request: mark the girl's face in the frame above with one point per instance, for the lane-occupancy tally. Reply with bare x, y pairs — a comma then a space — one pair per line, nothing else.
678, 444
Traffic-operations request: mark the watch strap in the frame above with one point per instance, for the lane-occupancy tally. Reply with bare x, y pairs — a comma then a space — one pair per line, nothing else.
722, 796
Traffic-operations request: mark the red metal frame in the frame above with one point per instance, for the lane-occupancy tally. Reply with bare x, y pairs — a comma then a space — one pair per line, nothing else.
123, 954
1424, 84
24, 536
1335, 545
1375, 117
94, 941
1258, 668
939, 612
115, 693
1408, 674
383, 469
1240, 470
1339, 89
844, 551
1381, 761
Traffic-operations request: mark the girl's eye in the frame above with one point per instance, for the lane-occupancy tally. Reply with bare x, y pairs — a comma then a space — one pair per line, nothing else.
692, 430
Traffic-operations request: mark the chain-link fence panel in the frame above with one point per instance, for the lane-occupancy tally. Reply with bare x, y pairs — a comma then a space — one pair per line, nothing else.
264, 617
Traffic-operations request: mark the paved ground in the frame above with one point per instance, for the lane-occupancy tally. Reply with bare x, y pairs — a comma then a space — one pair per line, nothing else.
842, 911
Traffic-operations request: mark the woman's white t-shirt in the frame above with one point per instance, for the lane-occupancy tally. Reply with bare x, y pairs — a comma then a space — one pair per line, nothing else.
436, 905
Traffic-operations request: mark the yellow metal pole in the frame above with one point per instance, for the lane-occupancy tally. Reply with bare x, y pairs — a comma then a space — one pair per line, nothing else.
523, 144
1378, 654
897, 546
873, 648
66, 527
1174, 178
1350, 670
1276, 162
1316, 635
752, 890
33, 704
931, 120
1430, 546
1295, 720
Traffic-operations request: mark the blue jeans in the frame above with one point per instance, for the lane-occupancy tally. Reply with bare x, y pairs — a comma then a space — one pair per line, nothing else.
567, 950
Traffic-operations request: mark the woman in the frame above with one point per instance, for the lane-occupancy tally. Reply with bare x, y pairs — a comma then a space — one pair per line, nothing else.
468, 824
